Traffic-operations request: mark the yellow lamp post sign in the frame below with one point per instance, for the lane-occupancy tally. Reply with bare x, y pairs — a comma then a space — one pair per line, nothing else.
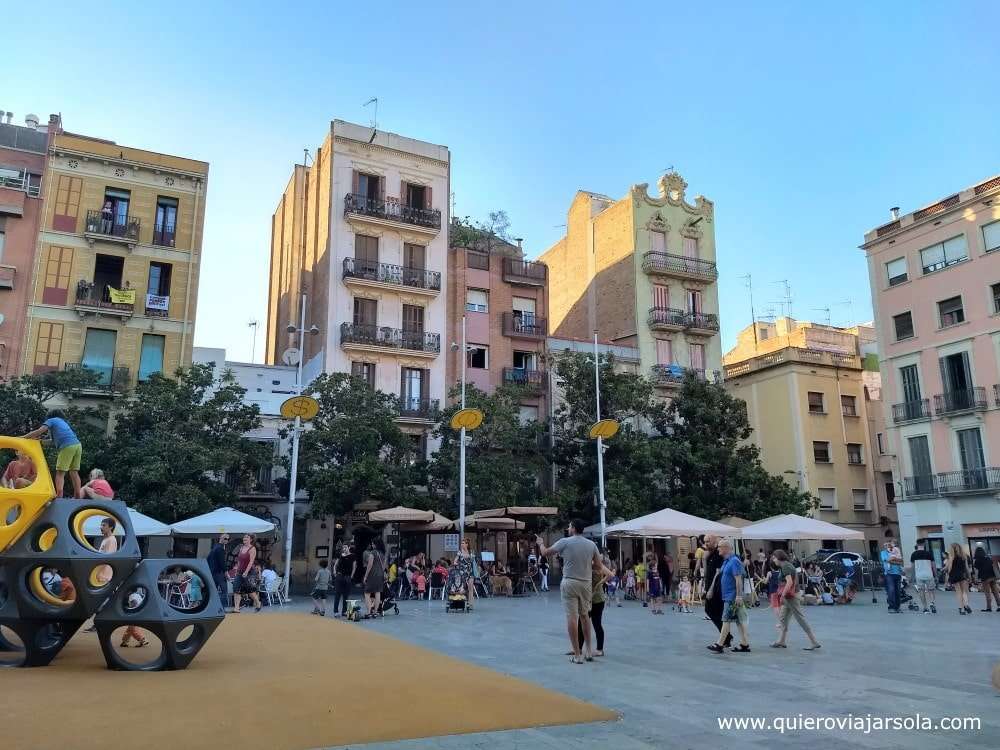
606, 428
470, 419
303, 407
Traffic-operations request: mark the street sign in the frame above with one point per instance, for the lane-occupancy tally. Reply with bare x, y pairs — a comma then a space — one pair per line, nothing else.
291, 356
303, 407
470, 419
606, 428
451, 542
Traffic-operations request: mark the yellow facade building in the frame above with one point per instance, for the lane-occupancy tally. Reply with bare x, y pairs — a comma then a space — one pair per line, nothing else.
816, 418
117, 263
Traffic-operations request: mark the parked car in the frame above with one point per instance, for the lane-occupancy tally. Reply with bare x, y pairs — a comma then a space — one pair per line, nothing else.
831, 562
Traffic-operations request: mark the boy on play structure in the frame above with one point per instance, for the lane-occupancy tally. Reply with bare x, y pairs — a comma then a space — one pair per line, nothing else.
68, 445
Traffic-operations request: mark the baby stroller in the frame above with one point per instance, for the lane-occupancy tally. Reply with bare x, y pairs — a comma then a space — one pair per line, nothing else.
388, 601
457, 598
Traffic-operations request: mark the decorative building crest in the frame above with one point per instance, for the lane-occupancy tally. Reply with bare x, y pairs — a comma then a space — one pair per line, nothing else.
672, 186
657, 224
691, 230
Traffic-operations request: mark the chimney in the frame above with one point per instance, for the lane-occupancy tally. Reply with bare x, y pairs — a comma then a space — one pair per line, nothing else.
894, 212
31, 121
520, 250
10, 117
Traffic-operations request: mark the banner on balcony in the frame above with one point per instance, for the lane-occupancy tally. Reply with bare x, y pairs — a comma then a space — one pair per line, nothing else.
121, 296
156, 302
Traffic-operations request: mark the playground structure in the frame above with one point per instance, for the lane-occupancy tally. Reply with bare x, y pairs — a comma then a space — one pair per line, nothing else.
42, 541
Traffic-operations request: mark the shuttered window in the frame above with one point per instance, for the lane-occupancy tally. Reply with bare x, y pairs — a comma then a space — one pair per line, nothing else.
48, 348
58, 266
661, 296
67, 207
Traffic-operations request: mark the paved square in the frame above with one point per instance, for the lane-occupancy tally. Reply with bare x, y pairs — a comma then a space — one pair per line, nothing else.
670, 690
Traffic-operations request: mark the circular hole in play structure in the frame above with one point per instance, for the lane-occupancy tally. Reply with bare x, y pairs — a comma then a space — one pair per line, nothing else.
10, 515
100, 577
82, 530
4, 594
183, 589
51, 587
44, 537
134, 599
51, 636
11, 648
190, 638
125, 643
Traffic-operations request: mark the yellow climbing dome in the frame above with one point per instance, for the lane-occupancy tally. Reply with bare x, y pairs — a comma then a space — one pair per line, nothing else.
20, 508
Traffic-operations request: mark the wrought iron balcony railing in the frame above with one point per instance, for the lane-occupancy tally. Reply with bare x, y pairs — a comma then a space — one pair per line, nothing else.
666, 317
968, 399
534, 379
391, 209
418, 408
911, 410
703, 321
415, 278
669, 375
920, 486
656, 262
523, 326
109, 379
393, 338
89, 297
996, 394
983, 479
524, 272
125, 228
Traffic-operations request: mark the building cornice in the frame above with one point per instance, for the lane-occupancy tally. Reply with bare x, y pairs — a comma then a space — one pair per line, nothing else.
377, 148
62, 151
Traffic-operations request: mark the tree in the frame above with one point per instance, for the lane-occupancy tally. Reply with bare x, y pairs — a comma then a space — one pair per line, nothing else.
481, 235
631, 469
711, 469
175, 440
355, 451
504, 457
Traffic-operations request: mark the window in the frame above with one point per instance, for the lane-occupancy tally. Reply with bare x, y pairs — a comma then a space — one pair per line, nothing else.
697, 357
99, 353
528, 414
364, 311
3, 237
414, 256
896, 271
366, 248
413, 318
67, 207
477, 300
151, 356
693, 301
524, 360
166, 221
657, 242
479, 261
763, 334
158, 289
903, 324
995, 289
970, 451
416, 196
478, 357
368, 186
690, 247
664, 352
848, 406
118, 201
860, 498
49, 347
413, 388
909, 376
524, 308
991, 236
418, 448
661, 296
854, 455
827, 498
951, 312
890, 487
880, 439
816, 405
364, 371
944, 254
57, 270
956, 376
821, 452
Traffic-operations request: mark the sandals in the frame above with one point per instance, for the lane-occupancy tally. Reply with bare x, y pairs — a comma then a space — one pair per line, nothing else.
140, 644
778, 645
741, 649
715, 648
812, 648
576, 659
123, 644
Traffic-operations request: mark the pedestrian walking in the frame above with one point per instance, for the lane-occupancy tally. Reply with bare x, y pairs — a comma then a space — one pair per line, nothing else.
730, 580
245, 582
958, 576
374, 579
892, 565
345, 568
320, 585
655, 584
986, 575
791, 604
580, 559
217, 566
713, 594
597, 603
924, 576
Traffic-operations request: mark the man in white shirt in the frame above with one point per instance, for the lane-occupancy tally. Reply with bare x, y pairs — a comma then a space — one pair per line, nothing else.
270, 578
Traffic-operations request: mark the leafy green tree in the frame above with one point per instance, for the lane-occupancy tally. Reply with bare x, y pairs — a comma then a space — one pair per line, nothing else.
355, 450
711, 469
175, 440
505, 459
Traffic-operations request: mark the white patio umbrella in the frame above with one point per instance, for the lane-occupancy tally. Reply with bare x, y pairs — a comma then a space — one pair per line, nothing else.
222, 520
141, 523
670, 522
792, 527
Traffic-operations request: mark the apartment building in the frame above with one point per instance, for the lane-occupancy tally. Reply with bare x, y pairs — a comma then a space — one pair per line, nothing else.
22, 164
504, 301
641, 272
812, 416
115, 282
935, 281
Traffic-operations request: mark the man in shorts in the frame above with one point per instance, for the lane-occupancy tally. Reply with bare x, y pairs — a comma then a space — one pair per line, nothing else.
734, 610
924, 575
68, 445
580, 559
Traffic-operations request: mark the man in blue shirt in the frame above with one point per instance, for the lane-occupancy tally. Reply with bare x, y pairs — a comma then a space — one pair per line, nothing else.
892, 565
730, 577
69, 450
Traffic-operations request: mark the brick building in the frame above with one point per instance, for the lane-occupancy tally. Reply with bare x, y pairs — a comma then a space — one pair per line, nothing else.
504, 299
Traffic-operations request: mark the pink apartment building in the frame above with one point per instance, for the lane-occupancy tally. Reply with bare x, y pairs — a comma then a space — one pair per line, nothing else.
935, 279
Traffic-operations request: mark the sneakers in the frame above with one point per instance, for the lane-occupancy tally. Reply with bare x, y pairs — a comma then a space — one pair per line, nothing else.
933, 610
926, 611
968, 610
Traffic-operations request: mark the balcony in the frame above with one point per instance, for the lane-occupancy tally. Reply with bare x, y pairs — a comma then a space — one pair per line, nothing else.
110, 380
705, 324
955, 402
790, 355
390, 211
672, 376
375, 338
418, 409
534, 380
679, 266
90, 300
986, 479
666, 319
996, 388
7, 274
524, 272
910, 411
261, 485
920, 486
522, 326
383, 275
123, 230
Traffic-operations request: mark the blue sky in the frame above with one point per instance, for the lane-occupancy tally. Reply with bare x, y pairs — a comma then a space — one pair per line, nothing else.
803, 123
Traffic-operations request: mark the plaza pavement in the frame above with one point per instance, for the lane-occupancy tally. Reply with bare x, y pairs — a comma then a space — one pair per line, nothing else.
670, 690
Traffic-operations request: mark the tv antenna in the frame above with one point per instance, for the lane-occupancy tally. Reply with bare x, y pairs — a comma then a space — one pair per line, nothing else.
753, 315
374, 120
824, 310
787, 303
849, 303
253, 338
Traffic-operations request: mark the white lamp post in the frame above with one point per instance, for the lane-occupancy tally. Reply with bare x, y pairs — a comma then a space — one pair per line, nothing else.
600, 441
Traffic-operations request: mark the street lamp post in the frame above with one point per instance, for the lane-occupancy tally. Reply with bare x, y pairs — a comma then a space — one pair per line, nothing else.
296, 432
600, 442
461, 451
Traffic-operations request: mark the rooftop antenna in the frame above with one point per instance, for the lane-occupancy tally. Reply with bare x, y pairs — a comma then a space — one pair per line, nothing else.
253, 339
374, 120
824, 310
768, 315
788, 295
850, 311
753, 315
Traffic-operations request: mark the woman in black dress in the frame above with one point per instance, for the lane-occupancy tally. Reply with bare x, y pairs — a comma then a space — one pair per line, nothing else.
987, 576
958, 576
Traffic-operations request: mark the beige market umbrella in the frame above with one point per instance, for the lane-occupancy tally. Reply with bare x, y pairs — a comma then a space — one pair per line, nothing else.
401, 514
518, 511
439, 525
493, 524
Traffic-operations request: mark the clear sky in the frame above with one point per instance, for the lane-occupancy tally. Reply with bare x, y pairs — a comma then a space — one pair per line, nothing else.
804, 122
